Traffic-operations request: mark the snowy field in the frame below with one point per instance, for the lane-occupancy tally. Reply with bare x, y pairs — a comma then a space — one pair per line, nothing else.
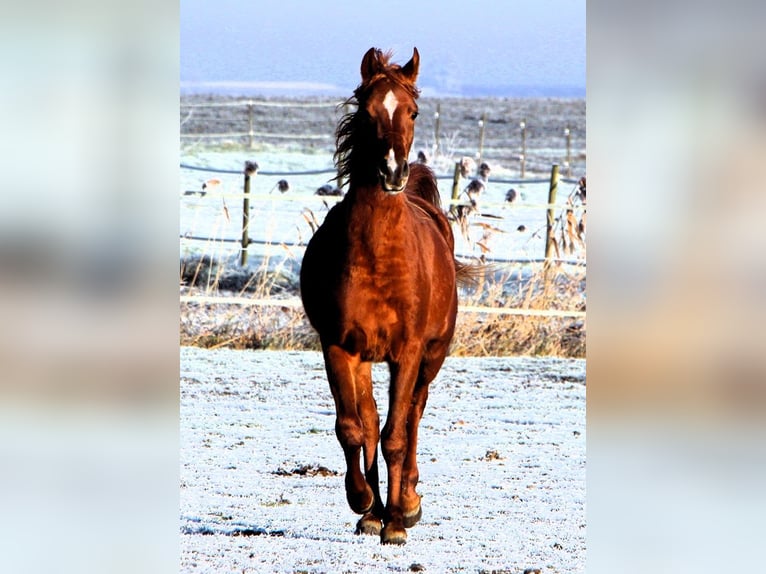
501, 456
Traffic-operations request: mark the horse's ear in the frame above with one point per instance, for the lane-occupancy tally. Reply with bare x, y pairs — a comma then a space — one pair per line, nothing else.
410, 69
370, 64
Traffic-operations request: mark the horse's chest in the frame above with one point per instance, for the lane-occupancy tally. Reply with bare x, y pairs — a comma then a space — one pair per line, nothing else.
376, 311
376, 294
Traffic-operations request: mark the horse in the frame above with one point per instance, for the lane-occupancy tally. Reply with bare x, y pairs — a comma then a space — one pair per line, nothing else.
378, 284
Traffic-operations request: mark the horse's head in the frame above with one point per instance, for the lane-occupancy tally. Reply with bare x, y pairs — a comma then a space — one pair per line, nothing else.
387, 112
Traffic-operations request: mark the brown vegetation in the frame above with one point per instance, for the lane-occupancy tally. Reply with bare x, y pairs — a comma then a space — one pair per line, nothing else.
214, 325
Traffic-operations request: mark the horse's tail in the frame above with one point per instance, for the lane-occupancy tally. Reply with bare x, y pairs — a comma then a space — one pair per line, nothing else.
422, 183
471, 274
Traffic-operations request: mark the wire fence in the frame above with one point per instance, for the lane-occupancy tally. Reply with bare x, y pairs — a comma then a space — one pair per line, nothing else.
535, 228
295, 303
528, 135
283, 224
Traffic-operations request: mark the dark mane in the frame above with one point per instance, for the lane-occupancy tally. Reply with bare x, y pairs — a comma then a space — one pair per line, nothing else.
349, 123
422, 183
344, 141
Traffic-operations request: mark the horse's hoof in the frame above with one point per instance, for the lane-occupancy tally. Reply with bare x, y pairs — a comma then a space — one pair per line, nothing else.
359, 505
369, 524
413, 517
392, 535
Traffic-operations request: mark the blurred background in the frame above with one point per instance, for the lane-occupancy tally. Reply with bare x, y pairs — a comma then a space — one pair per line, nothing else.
88, 279
676, 362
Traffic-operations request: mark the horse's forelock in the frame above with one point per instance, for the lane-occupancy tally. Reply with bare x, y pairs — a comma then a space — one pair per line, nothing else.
387, 71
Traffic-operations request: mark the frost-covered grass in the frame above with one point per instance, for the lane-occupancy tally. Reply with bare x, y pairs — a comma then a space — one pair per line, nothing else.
476, 334
501, 455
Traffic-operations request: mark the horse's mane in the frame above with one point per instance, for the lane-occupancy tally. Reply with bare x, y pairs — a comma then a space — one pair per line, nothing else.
350, 123
422, 183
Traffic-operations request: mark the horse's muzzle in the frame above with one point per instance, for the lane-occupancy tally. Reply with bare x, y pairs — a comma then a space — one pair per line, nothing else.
394, 180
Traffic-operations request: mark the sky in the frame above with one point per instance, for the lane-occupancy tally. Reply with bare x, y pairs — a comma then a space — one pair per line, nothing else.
482, 48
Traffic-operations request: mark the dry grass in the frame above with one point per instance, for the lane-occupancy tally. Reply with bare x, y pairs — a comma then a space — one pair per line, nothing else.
488, 334
237, 326
245, 327
477, 334
481, 336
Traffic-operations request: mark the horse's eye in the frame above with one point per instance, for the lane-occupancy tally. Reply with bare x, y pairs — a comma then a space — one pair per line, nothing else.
414, 115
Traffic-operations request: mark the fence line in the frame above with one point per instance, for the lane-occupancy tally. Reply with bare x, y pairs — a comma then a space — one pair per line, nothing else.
239, 171
260, 134
504, 260
563, 154
251, 169
517, 181
263, 104
513, 153
295, 303
318, 198
266, 197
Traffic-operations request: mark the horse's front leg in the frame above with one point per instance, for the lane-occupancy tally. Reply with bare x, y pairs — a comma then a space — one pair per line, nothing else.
341, 372
410, 498
430, 366
394, 443
370, 523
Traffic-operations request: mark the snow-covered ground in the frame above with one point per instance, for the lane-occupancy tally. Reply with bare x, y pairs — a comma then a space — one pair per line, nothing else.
501, 456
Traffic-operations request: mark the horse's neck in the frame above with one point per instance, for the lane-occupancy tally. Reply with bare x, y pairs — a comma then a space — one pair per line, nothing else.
366, 198
373, 216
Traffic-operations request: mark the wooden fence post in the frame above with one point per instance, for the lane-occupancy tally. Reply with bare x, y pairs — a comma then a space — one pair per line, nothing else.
251, 133
482, 124
523, 158
549, 239
568, 162
437, 126
250, 169
455, 188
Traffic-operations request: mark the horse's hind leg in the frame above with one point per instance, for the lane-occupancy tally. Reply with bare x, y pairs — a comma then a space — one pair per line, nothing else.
370, 523
341, 370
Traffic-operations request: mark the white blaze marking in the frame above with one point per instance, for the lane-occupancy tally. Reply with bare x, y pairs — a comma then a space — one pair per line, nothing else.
391, 160
390, 102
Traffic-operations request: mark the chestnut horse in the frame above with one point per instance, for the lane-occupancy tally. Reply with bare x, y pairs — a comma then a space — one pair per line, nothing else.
378, 283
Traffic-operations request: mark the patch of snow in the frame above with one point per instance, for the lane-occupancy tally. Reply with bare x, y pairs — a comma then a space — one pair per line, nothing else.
501, 458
